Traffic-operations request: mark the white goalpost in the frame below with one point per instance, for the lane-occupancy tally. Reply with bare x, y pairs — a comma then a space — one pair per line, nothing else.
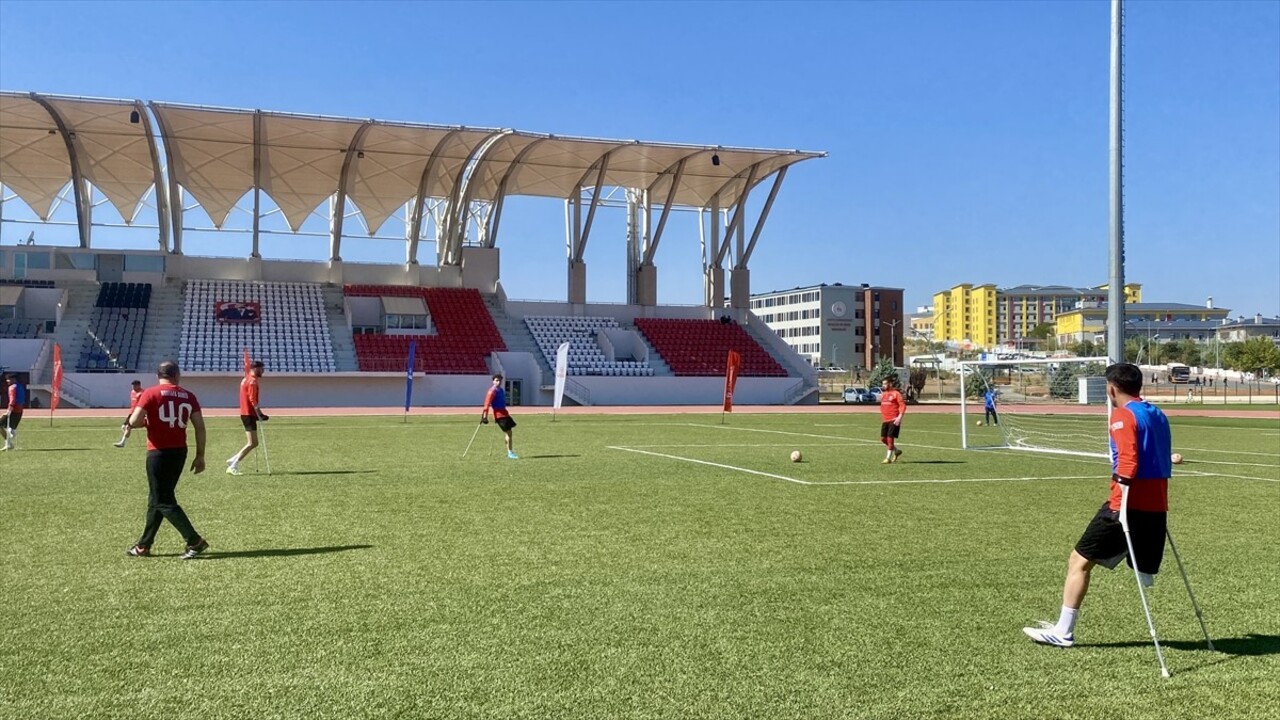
1057, 405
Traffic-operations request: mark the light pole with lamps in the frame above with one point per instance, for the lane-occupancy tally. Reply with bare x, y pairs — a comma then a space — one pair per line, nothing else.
893, 340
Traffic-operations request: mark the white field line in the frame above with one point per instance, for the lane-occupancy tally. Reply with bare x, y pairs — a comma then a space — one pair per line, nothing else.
1225, 475
840, 482
1066, 458
1266, 431
1233, 452
1273, 466
712, 464
953, 480
737, 445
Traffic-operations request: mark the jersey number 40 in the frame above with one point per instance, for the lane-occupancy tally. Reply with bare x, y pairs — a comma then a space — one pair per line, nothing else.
175, 414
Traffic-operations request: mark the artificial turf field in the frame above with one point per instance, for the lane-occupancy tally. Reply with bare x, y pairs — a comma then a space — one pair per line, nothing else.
377, 574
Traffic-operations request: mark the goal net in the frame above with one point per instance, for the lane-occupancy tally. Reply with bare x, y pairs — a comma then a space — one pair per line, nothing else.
1057, 406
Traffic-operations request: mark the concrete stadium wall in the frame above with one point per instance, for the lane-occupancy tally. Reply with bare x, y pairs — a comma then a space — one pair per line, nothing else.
287, 390
670, 390
19, 354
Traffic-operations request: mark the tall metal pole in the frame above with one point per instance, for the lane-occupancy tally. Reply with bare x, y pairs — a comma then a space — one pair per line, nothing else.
1115, 291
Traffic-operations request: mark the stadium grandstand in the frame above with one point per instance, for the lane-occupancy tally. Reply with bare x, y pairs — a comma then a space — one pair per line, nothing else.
121, 192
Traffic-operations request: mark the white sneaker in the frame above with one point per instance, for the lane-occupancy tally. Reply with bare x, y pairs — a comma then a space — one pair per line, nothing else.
233, 470
231, 461
118, 444
7, 446
1049, 636
1147, 579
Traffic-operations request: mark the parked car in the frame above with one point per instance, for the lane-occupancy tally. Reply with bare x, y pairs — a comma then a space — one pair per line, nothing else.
875, 393
857, 395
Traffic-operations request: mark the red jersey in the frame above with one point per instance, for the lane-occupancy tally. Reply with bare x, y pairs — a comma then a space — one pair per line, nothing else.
249, 395
134, 397
892, 405
496, 399
169, 408
1140, 451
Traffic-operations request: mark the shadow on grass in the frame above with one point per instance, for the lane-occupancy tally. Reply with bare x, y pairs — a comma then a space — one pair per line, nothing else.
932, 462
31, 450
545, 457
282, 552
1251, 644
322, 472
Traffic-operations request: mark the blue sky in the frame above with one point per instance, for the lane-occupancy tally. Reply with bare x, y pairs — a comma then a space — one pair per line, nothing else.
967, 140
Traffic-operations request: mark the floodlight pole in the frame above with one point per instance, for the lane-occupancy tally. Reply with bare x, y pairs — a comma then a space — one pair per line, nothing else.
1115, 291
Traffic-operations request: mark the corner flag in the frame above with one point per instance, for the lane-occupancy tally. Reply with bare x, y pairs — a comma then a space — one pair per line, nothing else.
732, 366
562, 370
56, 391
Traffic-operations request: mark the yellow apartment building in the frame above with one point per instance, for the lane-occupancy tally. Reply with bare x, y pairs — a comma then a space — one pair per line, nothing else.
984, 316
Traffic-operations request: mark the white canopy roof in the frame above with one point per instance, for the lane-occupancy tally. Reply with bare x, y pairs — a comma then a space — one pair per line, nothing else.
215, 154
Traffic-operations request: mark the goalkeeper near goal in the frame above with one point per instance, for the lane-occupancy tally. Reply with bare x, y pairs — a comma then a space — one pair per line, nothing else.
1140, 459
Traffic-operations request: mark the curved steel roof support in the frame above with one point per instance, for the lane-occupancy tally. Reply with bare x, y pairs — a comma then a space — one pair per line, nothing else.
460, 201
174, 193
738, 211
495, 215
340, 201
420, 199
84, 210
583, 230
162, 196
764, 215
670, 169
257, 180
652, 248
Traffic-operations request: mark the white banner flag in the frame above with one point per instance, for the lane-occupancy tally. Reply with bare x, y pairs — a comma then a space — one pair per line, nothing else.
562, 369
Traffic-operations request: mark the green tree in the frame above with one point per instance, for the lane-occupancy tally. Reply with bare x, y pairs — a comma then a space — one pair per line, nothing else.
1232, 355
1043, 331
1062, 383
883, 369
1133, 350
1086, 348
976, 382
917, 378
1257, 355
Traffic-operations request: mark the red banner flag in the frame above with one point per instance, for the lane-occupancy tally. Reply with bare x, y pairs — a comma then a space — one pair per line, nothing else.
731, 368
56, 391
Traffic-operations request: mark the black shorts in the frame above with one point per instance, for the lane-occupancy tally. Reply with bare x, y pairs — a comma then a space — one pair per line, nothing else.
505, 423
1103, 540
250, 422
11, 419
888, 429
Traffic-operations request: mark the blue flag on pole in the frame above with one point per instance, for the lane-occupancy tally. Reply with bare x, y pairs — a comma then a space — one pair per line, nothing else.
408, 375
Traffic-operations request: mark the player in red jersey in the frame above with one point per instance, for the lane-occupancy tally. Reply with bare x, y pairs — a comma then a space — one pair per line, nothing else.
250, 415
135, 393
166, 410
496, 398
892, 407
17, 396
1140, 459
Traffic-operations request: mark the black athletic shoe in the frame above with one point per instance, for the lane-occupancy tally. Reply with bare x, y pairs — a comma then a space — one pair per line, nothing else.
194, 550
138, 551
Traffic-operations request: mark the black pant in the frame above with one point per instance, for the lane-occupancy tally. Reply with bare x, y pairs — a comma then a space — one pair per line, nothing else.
164, 468
990, 416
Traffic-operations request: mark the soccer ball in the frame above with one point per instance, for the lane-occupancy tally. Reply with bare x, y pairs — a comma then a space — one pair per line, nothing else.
979, 423
796, 456
1176, 458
